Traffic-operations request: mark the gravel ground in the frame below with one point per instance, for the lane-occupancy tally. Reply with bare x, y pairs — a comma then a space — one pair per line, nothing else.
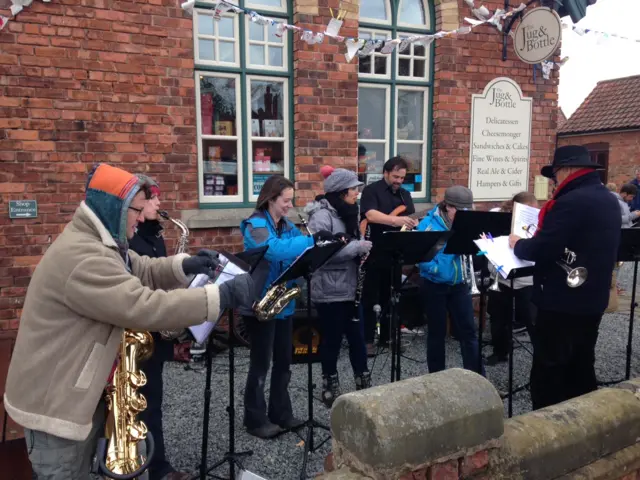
281, 458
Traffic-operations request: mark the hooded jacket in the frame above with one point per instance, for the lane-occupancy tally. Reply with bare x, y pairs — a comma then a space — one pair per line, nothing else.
81, 297
336, 280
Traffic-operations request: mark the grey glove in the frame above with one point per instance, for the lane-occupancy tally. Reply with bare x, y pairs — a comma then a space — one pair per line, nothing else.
363, 247
238, 292
206, 261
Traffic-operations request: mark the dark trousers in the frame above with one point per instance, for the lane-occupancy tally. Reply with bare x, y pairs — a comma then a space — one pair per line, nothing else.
563, 357
500, 309
337, 320
455, 299
269, 340
377, 285
152, 415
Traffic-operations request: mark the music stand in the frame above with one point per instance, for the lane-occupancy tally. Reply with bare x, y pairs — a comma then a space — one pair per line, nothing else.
629, 251
304, 266
467, 226
393, 250
251, 258
513, 274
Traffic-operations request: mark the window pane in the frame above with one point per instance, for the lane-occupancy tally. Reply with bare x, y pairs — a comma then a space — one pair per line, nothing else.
418, 68
419, 50
404, 67
371, 158
410, 115
227, 54
273, 38
256, 32
226, 27
256, 54
218, 106
275, 56
268, 3
206, 49
205, 24
266, 109
373, 9
371, 113
268, 158
220, 167
380, 65
412, 12
365, 65
413, 155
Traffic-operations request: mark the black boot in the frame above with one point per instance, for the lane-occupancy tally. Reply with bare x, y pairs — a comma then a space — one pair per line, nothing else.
330, 389
363, 381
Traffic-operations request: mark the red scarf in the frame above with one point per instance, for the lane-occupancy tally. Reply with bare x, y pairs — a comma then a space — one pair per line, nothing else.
549, 205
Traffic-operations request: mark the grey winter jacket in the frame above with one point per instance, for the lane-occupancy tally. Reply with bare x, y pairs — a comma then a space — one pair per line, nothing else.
628, 217
336, 280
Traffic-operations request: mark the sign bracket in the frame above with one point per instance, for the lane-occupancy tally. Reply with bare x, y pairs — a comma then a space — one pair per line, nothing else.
507, 30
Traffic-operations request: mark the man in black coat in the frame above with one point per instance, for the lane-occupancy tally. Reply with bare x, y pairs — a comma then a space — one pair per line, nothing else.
584, 218
148, 241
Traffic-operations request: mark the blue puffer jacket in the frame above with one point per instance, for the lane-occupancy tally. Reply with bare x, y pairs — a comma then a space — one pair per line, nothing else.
444, 268
260, 230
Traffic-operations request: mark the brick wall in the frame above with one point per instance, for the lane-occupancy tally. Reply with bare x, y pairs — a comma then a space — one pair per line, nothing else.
463, 67
624, 152
325, 97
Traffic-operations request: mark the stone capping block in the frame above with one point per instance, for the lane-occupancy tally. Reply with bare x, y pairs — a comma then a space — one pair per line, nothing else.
556, 440
396, 428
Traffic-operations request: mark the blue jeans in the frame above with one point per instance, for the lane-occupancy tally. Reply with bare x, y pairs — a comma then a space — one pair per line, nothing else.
337, 320
455, 299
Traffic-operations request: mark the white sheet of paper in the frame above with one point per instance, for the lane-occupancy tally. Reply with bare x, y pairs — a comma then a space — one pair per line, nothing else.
500, 254
201, 332
523, 217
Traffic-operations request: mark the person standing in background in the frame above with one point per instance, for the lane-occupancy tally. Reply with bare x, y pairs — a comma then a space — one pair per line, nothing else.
378, 200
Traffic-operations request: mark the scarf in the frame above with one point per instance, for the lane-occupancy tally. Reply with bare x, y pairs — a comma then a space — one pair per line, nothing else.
442, 211
348, 213
549, 205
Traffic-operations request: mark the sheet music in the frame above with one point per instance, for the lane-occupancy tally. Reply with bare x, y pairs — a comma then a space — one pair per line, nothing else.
499, 254
230, 270
524, 217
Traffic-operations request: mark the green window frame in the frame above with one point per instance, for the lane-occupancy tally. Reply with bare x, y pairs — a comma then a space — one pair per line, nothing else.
395, 93
244, 101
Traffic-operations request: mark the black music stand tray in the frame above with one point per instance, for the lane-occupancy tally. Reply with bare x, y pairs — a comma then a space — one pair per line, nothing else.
513, 274
467, 226
252, 258
393, 250
304, 266
629, 251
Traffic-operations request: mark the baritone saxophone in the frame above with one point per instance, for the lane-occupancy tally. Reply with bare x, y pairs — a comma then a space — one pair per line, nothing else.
118, 454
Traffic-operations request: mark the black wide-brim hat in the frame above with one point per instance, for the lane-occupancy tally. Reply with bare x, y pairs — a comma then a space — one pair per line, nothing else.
570, 156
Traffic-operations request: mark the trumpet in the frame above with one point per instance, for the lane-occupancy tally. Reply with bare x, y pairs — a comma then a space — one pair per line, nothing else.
495, 286
575, 276
472, 276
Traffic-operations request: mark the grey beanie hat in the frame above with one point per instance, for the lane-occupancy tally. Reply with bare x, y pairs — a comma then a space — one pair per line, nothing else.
459, 197
341, 179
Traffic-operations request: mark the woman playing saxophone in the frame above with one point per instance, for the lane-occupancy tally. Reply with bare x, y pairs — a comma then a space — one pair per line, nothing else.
272, 339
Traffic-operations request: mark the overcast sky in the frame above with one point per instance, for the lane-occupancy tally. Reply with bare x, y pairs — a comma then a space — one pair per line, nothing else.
591, 58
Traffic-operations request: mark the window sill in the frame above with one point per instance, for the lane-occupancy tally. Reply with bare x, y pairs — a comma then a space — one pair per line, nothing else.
224, 217
231, 217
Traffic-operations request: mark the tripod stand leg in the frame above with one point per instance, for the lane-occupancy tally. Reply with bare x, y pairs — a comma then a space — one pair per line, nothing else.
631, 319
510, 337
481, 321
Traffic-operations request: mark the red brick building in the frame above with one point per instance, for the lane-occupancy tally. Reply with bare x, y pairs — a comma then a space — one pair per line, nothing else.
608, 124
210, 107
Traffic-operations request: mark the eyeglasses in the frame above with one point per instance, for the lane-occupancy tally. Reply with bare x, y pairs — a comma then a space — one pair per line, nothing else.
137, 210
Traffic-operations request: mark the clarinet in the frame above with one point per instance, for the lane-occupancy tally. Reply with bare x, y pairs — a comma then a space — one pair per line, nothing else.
362, 271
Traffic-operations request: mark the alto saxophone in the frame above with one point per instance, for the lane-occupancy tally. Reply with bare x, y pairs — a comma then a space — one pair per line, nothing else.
181, 247
118, 455
277, 296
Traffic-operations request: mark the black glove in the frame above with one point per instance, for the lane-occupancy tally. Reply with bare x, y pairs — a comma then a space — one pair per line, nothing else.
322, 236
237, 292
342, 237
206, 261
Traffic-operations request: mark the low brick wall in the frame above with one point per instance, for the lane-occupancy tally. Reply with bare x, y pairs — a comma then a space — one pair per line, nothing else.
449, 425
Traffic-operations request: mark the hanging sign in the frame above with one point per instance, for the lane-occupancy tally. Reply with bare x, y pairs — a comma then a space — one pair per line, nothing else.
500, 141
538, 35
23, 208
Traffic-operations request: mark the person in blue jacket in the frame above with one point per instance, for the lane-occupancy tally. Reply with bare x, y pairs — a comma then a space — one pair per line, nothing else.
444, 288
269, 226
